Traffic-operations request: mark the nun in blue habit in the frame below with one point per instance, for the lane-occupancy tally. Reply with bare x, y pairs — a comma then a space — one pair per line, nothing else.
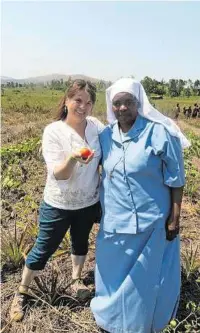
137, 272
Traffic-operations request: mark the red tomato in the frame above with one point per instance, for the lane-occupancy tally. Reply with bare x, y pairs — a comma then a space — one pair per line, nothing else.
85, 153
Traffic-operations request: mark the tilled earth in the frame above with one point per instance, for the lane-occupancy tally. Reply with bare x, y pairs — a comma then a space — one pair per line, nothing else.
61, 311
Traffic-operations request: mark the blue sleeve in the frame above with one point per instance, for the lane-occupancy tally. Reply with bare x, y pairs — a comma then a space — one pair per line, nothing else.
171, 154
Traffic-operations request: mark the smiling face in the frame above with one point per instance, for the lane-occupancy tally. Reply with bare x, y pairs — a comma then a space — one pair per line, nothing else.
79, 106
124, 106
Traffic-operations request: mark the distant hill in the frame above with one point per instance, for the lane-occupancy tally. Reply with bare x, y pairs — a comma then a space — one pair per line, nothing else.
47, 78
5, 79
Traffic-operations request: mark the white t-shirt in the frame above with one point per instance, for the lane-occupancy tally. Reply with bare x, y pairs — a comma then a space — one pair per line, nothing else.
82, 188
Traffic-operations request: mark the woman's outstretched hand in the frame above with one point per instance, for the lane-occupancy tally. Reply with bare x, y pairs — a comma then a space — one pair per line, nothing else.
78, 157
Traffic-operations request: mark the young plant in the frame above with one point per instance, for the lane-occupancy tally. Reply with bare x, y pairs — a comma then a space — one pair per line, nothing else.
14, 247
32, 226
51, 289
189, 324
190, 261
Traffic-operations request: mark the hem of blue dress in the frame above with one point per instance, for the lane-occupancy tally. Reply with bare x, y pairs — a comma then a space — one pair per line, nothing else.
101, 323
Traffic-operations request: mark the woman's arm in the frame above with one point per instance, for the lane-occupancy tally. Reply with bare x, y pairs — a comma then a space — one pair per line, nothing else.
172, 225
57, 163
171, 154
64, 171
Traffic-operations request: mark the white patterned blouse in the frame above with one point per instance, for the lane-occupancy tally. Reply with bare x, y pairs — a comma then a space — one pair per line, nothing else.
82, 188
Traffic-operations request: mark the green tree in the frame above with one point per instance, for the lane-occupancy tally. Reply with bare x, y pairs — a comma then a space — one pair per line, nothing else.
148, 84
12, 84
180, 86
187, 92
101, 85
173, 88
196, 87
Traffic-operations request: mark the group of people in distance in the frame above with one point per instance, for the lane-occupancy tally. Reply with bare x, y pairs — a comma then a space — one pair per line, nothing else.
188, 112
137, 199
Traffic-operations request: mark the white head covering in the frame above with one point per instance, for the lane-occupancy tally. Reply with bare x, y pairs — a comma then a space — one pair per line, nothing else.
145, 109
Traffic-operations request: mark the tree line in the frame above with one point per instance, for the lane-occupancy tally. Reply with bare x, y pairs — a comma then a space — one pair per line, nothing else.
172, 88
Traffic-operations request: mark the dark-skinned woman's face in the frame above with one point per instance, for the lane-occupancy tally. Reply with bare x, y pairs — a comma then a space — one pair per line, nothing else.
124, 106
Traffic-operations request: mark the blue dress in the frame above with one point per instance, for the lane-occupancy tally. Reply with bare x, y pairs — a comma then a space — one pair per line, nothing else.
137, 273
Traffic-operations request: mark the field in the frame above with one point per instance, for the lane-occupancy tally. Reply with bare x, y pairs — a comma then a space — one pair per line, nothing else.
52, 307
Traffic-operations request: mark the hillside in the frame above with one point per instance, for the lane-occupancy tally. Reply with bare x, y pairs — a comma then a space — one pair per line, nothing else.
48, 78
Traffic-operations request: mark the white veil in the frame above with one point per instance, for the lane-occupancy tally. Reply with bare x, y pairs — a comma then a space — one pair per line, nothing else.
146, 110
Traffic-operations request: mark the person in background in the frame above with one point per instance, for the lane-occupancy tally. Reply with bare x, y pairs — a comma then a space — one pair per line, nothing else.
195, 111
71, 195
137, 275
177, 111
189, 112
184, 110
198, 107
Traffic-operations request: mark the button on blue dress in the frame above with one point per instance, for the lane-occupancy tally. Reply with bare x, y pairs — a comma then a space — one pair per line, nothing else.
137, 272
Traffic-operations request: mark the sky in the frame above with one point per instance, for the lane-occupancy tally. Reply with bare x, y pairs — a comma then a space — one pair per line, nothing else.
104, 39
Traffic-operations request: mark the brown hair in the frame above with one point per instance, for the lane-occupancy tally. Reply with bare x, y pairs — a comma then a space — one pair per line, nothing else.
73, 88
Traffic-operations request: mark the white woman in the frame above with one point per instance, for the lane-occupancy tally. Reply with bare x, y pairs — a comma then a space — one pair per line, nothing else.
71, 195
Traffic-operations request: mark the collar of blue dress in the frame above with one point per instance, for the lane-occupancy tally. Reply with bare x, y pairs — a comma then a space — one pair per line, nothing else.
134, 131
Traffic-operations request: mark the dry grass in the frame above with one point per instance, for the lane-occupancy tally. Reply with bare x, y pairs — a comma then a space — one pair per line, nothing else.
192, 125
67, 314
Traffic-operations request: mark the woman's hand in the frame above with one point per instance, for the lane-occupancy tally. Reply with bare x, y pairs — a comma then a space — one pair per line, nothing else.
77, 156
172, 227
65, 170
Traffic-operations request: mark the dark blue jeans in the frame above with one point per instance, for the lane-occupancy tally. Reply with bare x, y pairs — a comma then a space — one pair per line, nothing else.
53, 225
